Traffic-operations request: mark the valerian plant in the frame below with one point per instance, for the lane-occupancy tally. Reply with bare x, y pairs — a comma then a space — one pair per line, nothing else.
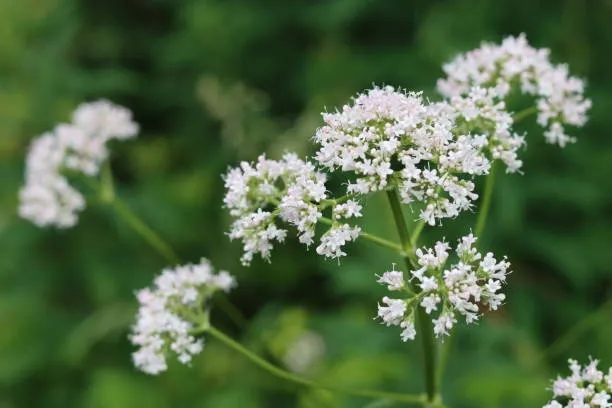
424, 155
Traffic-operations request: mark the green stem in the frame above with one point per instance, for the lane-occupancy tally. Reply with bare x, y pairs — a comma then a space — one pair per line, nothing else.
372, 238
524, 113
442, 360
486, 201
169, 255
290, 377
106, 190
144, 231
423, 322
488, 191
400, 221
417, 232
234, 314
107, 194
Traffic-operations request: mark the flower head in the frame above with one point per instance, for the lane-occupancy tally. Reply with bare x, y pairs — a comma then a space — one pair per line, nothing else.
586, 387
391, 139
168, 313
514, 64
47, 198
445, 291
263, 194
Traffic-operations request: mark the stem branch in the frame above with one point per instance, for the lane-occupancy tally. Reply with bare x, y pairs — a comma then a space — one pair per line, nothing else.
144, 231
290, 377
372, 238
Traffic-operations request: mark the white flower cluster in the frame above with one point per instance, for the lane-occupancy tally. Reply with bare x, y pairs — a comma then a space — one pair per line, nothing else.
165, 319
47, 198
481, 114
290, 190
514, 63
586, 387
388, 139
458, 288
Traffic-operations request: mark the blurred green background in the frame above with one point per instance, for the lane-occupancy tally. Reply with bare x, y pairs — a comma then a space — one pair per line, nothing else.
214, 82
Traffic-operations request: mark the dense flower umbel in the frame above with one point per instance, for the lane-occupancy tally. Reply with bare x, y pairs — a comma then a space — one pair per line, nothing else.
484, 116
388, 138
47, 198
170, 311
447, 290
291, 190
515, 65
586, 387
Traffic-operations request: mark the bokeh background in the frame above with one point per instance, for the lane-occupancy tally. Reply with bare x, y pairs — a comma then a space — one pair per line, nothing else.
219, 81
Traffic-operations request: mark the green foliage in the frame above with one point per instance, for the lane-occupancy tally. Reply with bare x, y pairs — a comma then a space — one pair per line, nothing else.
213, 82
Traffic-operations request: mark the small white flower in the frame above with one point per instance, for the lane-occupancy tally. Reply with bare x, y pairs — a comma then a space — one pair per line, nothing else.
335, 238
430, 303
444, 323
393, 279
393, 313
409, 332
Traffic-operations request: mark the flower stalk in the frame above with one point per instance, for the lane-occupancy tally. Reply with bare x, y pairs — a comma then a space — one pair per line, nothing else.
423, 323
295, 379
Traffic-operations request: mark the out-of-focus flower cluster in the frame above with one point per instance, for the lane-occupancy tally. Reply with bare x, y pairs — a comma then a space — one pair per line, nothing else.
47, 198
261, 194
515, 65
171, 310
442, 290
304, 352
586, 387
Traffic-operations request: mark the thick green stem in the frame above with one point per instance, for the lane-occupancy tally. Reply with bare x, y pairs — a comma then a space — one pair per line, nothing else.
443, 358
290, 377
483, 212
423, 322
400, 221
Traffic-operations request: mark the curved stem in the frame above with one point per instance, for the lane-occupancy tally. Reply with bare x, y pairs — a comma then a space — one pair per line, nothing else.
423, 322
483, 212
107, 193
234, 314
290, 377
144, 231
